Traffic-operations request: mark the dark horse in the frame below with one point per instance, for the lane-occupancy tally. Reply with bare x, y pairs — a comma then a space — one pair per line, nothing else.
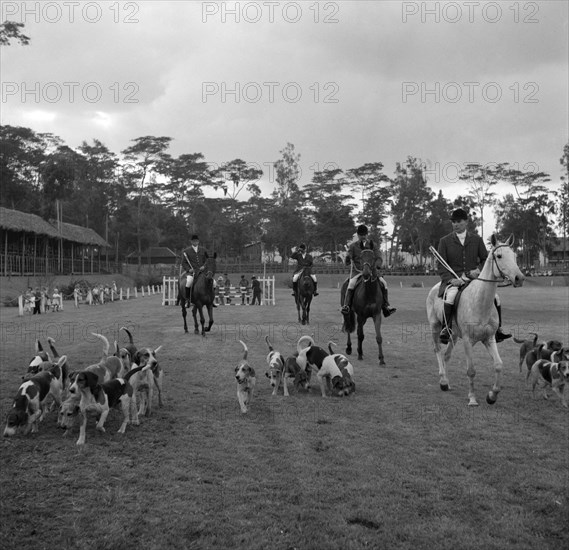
202, 295
367, 302
304, 296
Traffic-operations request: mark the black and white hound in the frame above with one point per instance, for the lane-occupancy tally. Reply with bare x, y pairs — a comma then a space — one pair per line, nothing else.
556, 375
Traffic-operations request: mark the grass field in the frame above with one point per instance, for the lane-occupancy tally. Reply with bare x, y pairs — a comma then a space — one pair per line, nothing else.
399, 464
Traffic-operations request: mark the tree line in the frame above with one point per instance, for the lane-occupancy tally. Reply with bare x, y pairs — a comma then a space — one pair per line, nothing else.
144, 197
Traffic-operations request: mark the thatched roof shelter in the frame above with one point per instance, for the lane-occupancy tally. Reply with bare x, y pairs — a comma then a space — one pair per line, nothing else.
13, 220
78, 234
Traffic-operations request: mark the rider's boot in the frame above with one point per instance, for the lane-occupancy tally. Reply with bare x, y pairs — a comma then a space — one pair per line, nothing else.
446, 333
188, 296
500, 336
294, 288
386, 308
315, 288
348, 303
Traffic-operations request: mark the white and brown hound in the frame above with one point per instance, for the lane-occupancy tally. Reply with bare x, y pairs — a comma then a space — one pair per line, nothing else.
327, 367
526, 347
28, 408
544, 351
276, 373
556, 375
144, 382
102, 397
245, 376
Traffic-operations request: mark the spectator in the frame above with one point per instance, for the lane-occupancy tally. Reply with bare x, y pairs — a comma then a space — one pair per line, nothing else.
243, 288
256, 285
37, 301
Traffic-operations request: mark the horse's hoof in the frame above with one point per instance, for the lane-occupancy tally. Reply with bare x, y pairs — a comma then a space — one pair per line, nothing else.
491, 398
348, 351
196, 331
360, 357
445, 387
381, 363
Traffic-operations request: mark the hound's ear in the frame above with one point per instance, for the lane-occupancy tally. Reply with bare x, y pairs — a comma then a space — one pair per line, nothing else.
92, 380
251, 371
267, 374
493, 240
136, 358
510, 241
61, 361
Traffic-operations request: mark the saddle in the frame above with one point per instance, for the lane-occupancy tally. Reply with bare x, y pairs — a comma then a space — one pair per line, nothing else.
458, 296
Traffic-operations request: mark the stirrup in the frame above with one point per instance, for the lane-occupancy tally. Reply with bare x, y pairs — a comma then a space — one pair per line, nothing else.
315, 294
445, 335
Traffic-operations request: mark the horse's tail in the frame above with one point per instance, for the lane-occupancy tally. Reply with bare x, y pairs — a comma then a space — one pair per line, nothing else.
349, 322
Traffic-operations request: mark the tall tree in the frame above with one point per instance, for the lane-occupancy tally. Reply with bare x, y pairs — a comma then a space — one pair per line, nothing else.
564, 198
145, 157
234, 177
410, 209
329, 211
286, 225
529, 216
371, 186
21, 153
481, 180
10, 30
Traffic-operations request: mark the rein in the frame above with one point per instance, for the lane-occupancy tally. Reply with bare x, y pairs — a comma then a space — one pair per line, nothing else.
500, 272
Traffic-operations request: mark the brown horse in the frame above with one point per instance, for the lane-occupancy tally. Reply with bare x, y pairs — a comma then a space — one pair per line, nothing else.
202, 295
304, 296
367, 302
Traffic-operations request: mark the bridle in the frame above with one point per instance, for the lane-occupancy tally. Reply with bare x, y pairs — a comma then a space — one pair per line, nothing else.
500, 272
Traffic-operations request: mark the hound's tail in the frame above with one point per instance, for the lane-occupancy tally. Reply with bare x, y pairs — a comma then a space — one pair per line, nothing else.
106, 345
245, 349
306, 338
518, 341
51, 343
330, 344
269, 343
131, 341
39, 347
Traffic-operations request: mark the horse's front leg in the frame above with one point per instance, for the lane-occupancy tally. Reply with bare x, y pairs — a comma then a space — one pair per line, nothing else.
470, 372
298, 310
360, 330
202, 321
498, 367
379, 338
185, 315
195, 316
349, 345
210, 315
443, 357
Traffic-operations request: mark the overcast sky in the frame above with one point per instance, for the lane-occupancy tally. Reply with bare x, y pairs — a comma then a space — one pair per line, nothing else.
346, 82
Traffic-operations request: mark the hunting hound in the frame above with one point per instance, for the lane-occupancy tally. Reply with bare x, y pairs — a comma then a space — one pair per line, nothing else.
245, 376
556, 375
102, 397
